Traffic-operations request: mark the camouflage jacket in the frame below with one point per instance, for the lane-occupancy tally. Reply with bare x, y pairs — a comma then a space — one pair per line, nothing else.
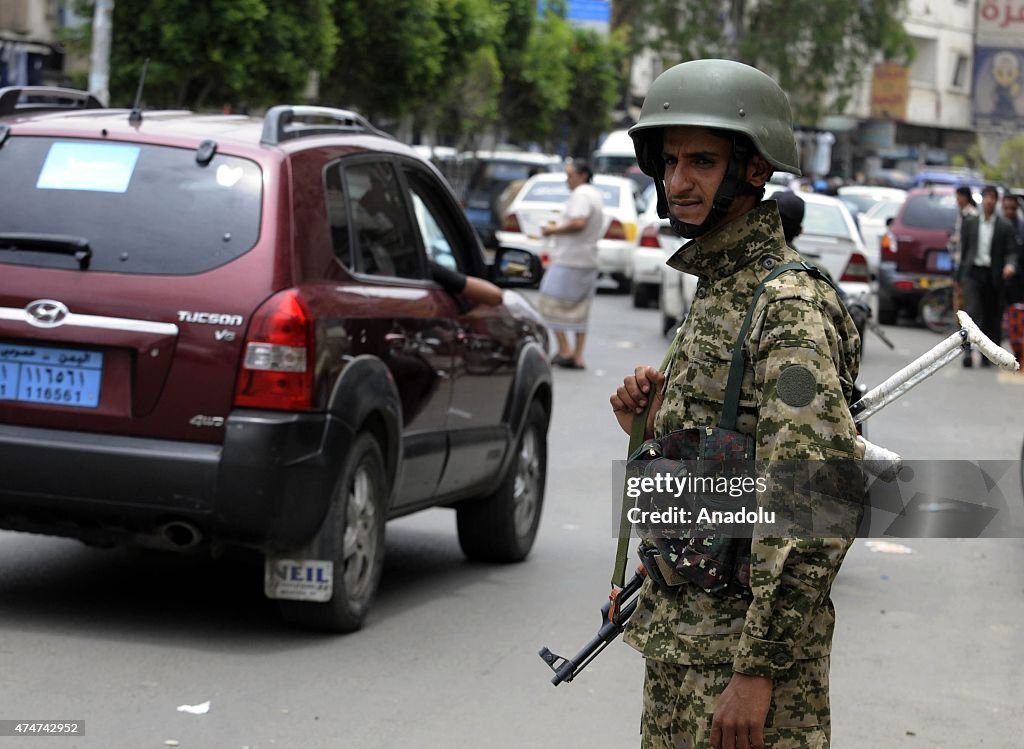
799, 323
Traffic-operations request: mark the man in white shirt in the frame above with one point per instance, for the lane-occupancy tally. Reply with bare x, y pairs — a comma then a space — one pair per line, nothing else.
989, 258
571, 278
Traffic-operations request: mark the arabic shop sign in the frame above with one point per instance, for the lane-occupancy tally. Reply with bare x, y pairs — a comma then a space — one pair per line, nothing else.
889, 91
1001, 24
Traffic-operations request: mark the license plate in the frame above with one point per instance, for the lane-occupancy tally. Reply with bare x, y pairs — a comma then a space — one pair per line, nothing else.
55, 376
940, 262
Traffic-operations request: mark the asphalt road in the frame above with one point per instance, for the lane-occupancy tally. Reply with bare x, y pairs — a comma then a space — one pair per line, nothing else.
927, 651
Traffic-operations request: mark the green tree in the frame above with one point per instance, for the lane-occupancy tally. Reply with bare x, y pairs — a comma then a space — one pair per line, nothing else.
1010, 167
218, 52
466, 102
537, 75
595, 66
816, 49
390, 58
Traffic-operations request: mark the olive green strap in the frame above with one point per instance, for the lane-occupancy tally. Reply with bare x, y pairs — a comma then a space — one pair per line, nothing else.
636, 438
731, 406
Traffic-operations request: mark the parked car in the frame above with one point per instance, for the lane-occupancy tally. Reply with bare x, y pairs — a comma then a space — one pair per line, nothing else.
915, 252
543, 198
483, 177
221, 330
830, 238
873, 226
655, 246
864, 197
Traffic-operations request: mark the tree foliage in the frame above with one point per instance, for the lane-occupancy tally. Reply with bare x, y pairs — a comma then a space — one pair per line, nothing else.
538, 78
595, 66
390, 57
816, 49
1010, 166
202, 55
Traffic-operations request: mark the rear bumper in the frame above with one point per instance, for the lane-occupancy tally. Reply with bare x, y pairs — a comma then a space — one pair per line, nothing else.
267, 486
912, 286
647, 265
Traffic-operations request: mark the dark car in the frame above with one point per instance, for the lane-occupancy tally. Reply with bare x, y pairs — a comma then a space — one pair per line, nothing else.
483, 179
914, 253
223, 330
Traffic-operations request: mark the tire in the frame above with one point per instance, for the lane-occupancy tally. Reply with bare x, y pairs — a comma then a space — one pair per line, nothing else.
936, 310
352, 537
623, 283
641, 296
502, 527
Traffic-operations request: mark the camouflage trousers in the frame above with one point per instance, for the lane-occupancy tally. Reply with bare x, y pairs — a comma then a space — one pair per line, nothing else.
679, 702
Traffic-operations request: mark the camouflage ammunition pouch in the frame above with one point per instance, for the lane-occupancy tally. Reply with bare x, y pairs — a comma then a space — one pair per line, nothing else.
718, 564
715, 562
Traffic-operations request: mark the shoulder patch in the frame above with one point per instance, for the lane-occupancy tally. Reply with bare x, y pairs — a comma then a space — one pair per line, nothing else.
797, 386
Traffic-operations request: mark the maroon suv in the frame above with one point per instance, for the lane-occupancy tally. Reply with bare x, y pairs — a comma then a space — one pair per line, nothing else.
222, 329
914, 254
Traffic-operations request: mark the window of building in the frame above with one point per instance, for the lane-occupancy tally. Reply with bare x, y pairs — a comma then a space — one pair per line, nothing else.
922, 71
960, 71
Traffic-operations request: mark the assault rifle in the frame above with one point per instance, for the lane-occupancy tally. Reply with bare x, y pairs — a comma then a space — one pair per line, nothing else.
614, 615
883, 463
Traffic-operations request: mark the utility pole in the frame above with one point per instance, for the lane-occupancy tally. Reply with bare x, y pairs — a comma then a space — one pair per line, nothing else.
99, 60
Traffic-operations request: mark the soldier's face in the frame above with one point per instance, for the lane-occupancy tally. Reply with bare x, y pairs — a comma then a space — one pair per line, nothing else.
696, 160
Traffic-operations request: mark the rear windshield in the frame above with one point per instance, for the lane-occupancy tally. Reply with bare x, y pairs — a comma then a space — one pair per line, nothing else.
936, 212
558, 192
141, 208
825, 220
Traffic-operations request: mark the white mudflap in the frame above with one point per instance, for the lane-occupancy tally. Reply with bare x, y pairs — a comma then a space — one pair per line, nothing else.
298, 579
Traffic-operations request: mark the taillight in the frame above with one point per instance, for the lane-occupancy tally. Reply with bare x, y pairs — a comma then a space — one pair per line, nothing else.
511, 223
545, 258
903, 285
277, 365
615, 230
649, 237
857, 269
888, 245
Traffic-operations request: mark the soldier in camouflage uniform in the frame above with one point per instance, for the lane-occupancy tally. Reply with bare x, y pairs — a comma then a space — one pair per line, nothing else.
734, 672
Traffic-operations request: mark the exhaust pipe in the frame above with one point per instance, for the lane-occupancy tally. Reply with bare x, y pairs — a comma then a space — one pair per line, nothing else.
180, 534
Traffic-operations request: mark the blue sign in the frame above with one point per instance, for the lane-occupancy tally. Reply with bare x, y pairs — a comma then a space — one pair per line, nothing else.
998, 88
589, 13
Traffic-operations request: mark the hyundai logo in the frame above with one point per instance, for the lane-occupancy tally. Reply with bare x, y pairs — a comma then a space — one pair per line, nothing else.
47, 313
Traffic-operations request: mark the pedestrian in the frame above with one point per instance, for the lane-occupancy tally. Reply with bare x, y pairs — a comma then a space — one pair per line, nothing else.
748, 669
1014, 315
966, 206
988, 259
570, 281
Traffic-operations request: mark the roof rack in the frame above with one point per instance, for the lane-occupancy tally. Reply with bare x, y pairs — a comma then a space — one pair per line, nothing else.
42, 98
280, 123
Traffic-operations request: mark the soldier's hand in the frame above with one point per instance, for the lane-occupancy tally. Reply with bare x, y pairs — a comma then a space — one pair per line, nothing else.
740, 713
631, 397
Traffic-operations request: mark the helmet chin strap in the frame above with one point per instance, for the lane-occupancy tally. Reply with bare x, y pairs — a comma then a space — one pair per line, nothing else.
730, 188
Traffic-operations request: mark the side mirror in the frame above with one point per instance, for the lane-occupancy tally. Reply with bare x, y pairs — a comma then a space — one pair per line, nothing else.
513, 267
888, 221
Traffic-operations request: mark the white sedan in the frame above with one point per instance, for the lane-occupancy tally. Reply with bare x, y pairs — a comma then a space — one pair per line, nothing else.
542, 199
829, 239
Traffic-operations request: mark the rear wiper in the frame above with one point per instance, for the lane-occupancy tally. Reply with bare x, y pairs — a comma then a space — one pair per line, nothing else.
61, 244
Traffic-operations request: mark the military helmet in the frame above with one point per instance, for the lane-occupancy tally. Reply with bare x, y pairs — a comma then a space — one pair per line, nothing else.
718, 94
